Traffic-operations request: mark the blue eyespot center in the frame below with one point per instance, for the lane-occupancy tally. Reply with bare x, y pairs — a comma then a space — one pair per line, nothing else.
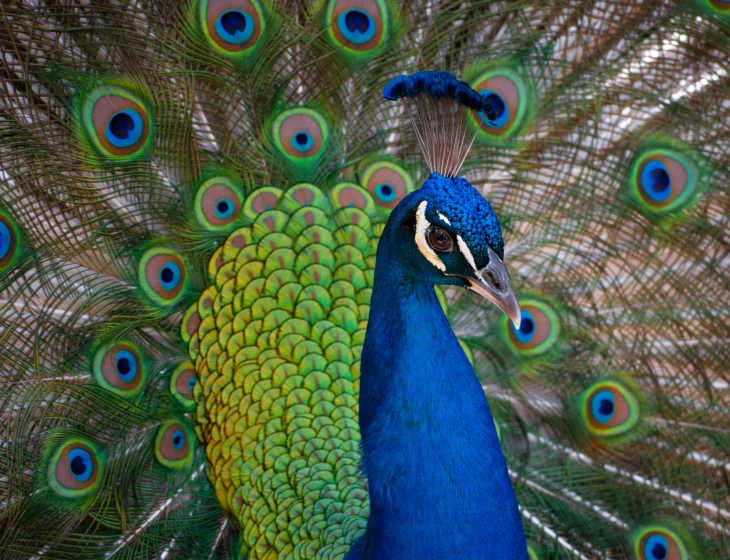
6, 240
191, 383
125, 128
126, 364
656, 548
656, 181
80, 464
302, 141
603, 406
234, 26
527, 327
170, 276
178, 439
356, 26
497, 115
385, 192
224, 209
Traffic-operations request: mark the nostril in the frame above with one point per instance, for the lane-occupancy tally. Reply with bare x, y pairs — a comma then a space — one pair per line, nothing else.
492, 279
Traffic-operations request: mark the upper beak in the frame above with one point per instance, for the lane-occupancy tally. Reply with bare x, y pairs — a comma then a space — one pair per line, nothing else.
493, 283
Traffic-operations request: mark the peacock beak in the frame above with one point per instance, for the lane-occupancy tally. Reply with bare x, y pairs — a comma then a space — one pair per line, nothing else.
493, 283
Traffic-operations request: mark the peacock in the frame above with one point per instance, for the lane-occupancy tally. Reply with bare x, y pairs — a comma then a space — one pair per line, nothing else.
346, 279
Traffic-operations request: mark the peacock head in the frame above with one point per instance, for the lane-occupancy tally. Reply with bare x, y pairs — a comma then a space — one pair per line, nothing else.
447, 233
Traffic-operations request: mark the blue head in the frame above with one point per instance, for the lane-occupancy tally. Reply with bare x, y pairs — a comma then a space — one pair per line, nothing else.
447, 233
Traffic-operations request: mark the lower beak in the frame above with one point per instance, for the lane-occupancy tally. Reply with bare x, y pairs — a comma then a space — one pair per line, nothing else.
493, 283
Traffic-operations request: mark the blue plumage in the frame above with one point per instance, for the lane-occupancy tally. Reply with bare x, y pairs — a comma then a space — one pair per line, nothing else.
435, 83
469, 213
438, 482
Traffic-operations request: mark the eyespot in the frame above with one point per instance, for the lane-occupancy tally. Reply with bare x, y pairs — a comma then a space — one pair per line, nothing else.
75, 469
119, 368
387, 182
218, 203
656, 542
439, 239
162, 275
301, 133
539, 328
507, 95
358, 26
721, 7
609, 409
8, 242
234, 27
173, 445
117, 122
663, 181
182, 382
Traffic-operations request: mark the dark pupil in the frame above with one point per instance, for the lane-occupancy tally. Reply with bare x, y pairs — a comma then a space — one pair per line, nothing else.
386, 190
78, 466
123, 366
301, 138
222, 207
658, 551
233, 21
440, 239
120, 125
527, 326
606, 407
166, 275
661, 180
355, 20
177, 440
496, 107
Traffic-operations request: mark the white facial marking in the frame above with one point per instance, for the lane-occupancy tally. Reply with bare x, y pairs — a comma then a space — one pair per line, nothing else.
421, 227
466, 252
443, 218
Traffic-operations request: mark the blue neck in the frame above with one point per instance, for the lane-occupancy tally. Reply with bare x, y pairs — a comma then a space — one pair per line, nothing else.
438, 482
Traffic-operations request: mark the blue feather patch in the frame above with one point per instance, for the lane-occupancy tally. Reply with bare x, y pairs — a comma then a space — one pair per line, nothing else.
436, 84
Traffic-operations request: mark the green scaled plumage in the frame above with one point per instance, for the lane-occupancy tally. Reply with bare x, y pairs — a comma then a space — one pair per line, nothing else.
124, 126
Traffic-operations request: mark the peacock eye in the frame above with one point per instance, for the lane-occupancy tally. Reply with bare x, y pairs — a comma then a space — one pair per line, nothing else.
439, 239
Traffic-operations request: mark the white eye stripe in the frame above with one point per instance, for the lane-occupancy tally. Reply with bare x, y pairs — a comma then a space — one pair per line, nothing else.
443, 218
464, 248
422, 225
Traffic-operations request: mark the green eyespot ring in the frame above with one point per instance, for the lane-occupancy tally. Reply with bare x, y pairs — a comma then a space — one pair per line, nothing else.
218, 203
358, 27
609, 409
75, 468
232, 27
508, 98
663, 180
162, 275
117, 123
300, 133
120, 367
387, 183
657, 542
174, 445
539, 328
